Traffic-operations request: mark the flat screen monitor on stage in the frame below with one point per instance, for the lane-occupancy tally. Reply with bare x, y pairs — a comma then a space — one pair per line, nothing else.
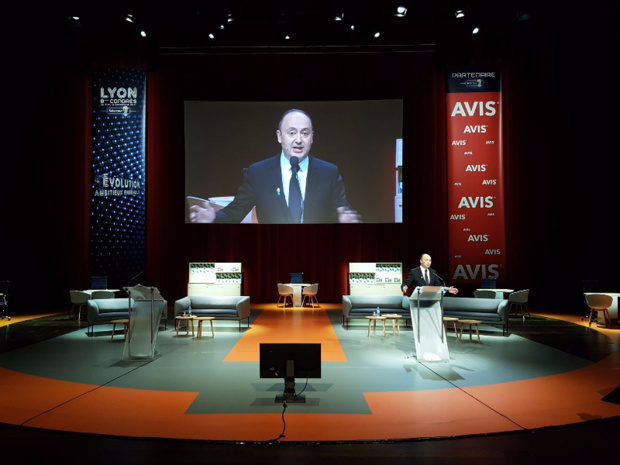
362, 138
99, 282
275, 360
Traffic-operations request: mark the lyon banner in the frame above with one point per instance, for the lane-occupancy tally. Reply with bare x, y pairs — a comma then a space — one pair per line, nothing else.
475, 175
118, 175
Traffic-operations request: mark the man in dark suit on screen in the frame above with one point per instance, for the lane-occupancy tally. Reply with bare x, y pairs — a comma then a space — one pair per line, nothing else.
424, 275
292, 187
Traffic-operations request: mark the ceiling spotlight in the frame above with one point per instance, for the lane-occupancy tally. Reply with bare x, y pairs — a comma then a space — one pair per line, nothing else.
353, 27
230, 18
475, 30
222, 27
401, 11
287, 37
143, 33
339, 17
377, 34
129, 18
211, 36
459, 13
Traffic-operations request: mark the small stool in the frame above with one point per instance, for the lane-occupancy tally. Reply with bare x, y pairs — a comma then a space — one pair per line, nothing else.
470, 323
395, 322
200, 320
372, 321
453, 320
124, 322
189, 319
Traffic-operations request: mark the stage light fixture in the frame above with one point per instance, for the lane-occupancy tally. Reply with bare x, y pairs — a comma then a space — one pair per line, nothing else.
230, 18
143, 33
221, 27
353, 27
211, 36
459, 14
401, 11
475, 30
377, 34
287, 37
129, 18
339, 17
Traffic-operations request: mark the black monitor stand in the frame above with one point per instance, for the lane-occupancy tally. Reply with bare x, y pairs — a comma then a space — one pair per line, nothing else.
289, 395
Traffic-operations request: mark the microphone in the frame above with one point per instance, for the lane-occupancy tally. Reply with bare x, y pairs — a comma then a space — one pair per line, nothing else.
442, 281
294, 163
131, 280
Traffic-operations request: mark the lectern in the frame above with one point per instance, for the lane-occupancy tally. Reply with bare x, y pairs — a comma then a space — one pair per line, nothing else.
144, 317
429, 332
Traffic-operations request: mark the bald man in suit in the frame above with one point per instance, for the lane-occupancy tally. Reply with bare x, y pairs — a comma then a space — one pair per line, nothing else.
266, 184
424, 275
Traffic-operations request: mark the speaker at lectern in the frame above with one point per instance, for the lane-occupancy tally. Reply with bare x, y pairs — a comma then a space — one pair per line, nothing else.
145, 309
429, 334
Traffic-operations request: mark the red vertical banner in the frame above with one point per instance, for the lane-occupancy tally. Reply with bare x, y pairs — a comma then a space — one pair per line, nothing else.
476, 234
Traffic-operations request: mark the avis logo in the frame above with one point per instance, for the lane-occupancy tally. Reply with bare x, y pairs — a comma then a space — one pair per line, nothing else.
476, 272
476, 202
475, 128
459, 142
476, 168
474, 109
489, 182
458, 217
493, 252
478, 238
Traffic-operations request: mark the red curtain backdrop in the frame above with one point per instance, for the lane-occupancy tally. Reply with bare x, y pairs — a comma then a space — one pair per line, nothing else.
269, 253
46, 167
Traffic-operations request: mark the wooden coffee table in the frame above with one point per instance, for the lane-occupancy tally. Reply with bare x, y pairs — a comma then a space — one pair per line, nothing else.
122, 321
189, 320
200, 320
472, 324
395, 322
453, 320
372, 321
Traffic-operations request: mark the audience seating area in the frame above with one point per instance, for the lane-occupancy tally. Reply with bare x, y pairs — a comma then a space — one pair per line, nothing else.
218, 306
494, 311
101, 311
361, 306
486, 310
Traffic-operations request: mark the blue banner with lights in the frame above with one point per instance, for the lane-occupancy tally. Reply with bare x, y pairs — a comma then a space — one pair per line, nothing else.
118, 176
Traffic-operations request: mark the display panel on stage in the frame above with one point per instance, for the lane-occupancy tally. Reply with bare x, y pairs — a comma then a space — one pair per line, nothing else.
429, 333
375, 278
144, 317
214, 278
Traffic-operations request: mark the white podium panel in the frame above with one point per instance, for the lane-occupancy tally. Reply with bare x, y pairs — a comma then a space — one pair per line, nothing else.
429, 333
144, 318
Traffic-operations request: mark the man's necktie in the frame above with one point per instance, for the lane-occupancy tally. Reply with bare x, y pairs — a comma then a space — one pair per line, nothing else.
294, 192
428, 282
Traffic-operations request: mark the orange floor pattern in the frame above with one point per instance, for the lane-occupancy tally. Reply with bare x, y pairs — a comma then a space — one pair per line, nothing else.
566, 398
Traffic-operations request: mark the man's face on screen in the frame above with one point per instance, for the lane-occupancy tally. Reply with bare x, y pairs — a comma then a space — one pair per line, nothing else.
295, 135
425, 261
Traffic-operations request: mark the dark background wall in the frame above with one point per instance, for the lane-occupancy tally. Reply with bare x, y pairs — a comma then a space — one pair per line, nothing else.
559, 104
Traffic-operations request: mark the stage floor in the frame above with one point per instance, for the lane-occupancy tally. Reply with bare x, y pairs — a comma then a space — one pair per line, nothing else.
549, 371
